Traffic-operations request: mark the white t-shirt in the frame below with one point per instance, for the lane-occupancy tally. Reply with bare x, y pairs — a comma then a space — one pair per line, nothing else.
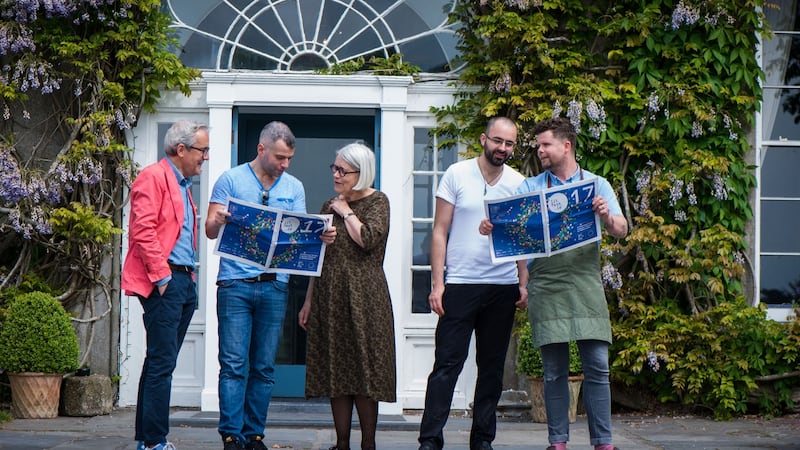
468, 259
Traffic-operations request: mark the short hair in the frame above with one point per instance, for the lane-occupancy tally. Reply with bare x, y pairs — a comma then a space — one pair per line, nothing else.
276, 131
561, 127
496, 119
182, 132
362, 159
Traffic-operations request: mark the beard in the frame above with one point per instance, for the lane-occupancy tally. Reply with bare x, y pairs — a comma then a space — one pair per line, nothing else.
497, 158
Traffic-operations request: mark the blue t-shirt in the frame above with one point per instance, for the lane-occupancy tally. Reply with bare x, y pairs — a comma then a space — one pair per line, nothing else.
287, 193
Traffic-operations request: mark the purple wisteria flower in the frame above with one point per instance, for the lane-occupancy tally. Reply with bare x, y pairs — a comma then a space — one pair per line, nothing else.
684, 15
720, 191
653, 361
12, 187
611, 277
690, 194
502, 84
597, 116
557, 109
574, 110
675, 190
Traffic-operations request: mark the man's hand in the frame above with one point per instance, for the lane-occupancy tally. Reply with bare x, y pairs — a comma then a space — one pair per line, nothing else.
485, 228
435, 301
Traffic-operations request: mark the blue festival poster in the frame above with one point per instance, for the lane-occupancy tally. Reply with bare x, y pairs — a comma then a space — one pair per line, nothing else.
571, 221
543, 223
518, 227
272, 239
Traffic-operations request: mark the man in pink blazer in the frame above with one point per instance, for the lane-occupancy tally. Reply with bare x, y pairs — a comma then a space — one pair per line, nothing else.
159, 269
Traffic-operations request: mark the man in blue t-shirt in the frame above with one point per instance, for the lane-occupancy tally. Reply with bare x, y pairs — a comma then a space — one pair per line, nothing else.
251, 304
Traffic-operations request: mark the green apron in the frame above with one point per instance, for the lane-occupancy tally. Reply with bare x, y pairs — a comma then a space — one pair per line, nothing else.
566, 300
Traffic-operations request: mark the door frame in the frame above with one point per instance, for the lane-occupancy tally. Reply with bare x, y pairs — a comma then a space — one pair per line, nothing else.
313, 131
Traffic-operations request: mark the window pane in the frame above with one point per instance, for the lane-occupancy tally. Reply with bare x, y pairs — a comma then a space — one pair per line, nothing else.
446, 157
780, 279
779, 219
779, 172
781, 109
423, 149
423, 196
331, 30
421, 287
776, 51
422, 244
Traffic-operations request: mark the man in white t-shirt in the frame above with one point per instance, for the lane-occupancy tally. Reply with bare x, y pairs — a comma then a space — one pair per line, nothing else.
477, 295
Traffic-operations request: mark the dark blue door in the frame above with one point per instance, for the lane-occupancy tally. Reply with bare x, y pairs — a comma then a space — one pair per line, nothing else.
318, 137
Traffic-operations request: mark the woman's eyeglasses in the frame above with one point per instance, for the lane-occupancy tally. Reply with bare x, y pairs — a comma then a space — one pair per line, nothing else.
341, 170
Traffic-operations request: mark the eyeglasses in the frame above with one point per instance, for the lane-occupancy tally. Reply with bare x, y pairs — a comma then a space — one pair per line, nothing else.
264, 197
341, 170
204, 150
498, 141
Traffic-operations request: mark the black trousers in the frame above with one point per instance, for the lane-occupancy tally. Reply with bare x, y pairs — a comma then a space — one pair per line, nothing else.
488, 310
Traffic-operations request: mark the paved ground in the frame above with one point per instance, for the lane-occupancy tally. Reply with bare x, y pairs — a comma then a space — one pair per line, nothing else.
307, 426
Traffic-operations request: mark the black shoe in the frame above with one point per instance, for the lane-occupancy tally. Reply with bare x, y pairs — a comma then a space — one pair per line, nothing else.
483, 445
231, 443
427, 445
255, 443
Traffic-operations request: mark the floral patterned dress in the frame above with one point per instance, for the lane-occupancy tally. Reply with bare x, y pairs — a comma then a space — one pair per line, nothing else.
350, 349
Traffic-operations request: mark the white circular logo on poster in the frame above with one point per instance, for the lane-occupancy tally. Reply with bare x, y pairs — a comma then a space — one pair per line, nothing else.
290, 224
557, 202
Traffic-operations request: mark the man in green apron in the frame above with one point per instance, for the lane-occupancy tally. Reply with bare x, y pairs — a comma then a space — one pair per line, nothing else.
566, 300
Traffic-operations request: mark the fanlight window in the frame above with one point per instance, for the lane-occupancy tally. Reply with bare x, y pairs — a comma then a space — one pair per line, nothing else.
302, 35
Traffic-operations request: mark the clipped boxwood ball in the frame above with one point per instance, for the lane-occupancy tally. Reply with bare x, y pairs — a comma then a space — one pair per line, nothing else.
37, 336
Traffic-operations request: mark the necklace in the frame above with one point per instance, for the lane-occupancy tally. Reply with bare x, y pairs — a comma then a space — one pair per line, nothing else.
489, 183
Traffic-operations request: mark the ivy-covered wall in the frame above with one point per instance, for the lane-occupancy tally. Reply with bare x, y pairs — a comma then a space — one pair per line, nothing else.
74, 77
664, 95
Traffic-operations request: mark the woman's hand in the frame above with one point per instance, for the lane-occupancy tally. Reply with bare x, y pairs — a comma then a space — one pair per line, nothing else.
302, 316
340, 206
329, 235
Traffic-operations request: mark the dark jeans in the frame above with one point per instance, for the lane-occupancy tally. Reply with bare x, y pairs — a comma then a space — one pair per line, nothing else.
166, 319
488, 310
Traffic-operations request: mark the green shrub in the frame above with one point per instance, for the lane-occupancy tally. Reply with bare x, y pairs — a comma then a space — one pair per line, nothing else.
37, 336
529, 358
712, 360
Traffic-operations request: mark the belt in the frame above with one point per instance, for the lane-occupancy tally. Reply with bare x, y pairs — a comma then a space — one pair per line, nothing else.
262, 277
177, 268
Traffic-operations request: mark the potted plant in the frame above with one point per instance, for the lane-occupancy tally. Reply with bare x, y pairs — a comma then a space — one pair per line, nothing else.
529, 362
38, 345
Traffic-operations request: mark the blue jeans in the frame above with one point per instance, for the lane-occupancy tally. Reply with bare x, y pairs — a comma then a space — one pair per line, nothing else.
488, 310
250, 323
166, 319
596, 390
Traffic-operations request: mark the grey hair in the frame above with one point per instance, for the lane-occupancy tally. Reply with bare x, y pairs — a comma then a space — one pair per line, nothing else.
182, 132
276, 131
362, 159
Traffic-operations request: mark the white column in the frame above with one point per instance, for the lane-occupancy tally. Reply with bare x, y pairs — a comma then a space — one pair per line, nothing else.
220, 116
393, 147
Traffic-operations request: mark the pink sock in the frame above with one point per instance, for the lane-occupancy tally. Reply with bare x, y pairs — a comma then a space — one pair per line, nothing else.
604, 447
559, 446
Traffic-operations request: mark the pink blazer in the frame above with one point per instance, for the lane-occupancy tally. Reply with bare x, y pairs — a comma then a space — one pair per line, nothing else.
155, 224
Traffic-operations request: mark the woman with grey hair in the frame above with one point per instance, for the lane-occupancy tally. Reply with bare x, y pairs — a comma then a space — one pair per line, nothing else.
347, 313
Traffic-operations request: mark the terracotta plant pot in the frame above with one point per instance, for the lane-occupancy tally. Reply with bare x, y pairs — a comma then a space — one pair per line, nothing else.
35, 395
538, 412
